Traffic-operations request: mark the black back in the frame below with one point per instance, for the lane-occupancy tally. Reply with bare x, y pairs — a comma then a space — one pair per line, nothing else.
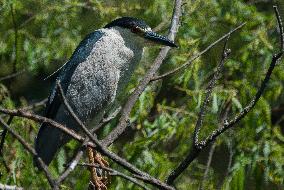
128, 22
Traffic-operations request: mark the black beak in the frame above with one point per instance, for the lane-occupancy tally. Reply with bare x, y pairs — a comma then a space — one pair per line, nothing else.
150, 35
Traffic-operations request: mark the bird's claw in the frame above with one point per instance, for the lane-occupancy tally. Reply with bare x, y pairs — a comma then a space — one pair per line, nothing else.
103, 163
100, 160
99, 184
99, 176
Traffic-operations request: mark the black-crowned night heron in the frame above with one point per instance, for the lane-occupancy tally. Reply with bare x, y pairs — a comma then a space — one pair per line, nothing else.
95, 76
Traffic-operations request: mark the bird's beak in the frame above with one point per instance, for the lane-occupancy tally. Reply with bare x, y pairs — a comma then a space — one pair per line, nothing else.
154, 37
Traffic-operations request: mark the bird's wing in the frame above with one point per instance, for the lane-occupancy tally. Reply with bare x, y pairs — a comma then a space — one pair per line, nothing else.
66, 71
50, 139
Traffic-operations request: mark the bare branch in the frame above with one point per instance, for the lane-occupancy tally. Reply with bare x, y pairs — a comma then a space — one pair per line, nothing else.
10, 187
3, 135
195, 147
102, 149
195, 150
38, 118
116, 173
12, 75
250, 106
189, 62
71, 166
120, 128
32, 151
73, 163
35, 105
30, 107
212, 83
16, 38
280, 25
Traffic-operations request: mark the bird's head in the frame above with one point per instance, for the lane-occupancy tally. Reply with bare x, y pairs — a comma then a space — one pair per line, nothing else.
140, 29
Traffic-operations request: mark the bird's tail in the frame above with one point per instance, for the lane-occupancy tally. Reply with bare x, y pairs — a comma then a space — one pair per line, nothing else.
48, 141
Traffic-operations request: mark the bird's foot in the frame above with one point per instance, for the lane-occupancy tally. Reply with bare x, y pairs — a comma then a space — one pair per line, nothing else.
100, 160
100, 178
104, 175
99, 184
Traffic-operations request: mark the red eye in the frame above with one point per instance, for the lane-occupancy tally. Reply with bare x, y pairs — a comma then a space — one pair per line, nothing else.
135, 30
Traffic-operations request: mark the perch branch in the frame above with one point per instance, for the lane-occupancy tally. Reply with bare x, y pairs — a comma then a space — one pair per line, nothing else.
32, 151
10, 187
228, 124
12, 75
225, 53
189, 62
102, 149
116, 173
195, 150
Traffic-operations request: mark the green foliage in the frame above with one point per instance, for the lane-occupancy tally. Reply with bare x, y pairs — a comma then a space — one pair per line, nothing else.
39, 36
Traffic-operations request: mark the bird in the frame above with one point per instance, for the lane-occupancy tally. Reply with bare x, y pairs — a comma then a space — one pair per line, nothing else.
94, 79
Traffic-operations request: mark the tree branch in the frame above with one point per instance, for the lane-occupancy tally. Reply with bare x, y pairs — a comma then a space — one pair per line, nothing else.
10, 187
16, 38
12, 75
212, 83
3, 135
195, 150
250, 106
33, 152
102, 149
190, 61
116, 173
71, 166
35, 105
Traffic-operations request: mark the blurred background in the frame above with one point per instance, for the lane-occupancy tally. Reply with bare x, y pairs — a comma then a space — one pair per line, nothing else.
38, 36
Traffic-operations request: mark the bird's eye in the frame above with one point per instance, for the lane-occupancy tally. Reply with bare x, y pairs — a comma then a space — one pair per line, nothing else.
136, 30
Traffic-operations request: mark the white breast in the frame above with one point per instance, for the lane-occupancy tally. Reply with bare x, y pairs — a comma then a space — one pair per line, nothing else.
96, 81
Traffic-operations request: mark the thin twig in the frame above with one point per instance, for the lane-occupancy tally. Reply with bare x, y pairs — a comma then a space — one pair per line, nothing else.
225, 53
190, 61
280, 25
12, 75
116, 173
35, 105
194, 152
41, 119
111, 116
73, 163
195, 148
3, 135
10, 187
252, 103
120, 128
205, 175
30, 107
106, 120
32, 151
16, 38
71, 166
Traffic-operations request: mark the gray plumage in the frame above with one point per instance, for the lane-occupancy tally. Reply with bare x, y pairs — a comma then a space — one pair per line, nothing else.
94, 77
